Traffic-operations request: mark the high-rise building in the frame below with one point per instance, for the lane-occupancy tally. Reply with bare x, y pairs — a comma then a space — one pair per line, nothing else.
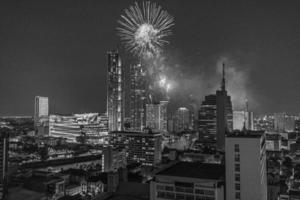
182, 119
163, 116
152, 116
4, 147
156, 116
279, 121
142, 147
245, 163
207, 116
138, 97
224, 113
115, 92
41, 109
289, 123
242, 119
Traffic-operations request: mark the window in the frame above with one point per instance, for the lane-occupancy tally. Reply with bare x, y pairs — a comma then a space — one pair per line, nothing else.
169, 188
237, 167
237, 186
237, 177
237, 157
179, 196
160, 187
237, 195
237, 148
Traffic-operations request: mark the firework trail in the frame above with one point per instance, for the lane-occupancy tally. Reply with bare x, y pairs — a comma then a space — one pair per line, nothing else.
143, 29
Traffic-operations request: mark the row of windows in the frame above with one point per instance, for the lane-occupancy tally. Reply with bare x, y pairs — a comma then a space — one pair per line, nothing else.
169, 195
237, 176
186, 190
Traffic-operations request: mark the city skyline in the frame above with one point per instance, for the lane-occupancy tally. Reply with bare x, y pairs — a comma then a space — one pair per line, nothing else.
62, 54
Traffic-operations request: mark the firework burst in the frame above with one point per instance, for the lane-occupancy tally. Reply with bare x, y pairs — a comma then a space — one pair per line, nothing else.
143, 29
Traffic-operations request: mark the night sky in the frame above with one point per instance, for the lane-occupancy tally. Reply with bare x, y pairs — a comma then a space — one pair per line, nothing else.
58, 49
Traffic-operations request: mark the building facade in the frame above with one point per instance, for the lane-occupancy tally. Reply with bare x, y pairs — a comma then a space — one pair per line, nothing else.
144, 148
182, 119
189, 180
113, 159
90, 125
207, 116
41, 109
138, 97
245, 161
115, 92
242, 119
156, 116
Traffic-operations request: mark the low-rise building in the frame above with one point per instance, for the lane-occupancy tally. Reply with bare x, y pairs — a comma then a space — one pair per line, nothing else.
189, 180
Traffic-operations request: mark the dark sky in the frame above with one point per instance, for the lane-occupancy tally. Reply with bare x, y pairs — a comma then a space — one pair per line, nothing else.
58, 49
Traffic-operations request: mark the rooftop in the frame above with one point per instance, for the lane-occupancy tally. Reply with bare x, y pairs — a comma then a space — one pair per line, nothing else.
136, 133
245, 134
195, 170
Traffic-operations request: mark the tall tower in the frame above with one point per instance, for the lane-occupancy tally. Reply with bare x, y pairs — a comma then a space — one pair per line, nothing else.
115, 91
224, 112
138, 97
41, 108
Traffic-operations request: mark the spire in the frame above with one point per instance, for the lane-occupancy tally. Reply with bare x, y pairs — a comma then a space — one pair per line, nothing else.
223, 78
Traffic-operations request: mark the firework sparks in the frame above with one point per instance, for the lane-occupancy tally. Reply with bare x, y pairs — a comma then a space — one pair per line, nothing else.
143, 29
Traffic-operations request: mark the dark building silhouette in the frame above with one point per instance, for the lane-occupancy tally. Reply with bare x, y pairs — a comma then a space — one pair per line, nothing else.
215, 115
224, 113
4, 146
207, 123
115, 92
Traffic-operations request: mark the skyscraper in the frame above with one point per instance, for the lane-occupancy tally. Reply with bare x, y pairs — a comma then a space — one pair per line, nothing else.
41, 109
138, 97
163, 116
246, 171
182, 120
224, 113
115, 91
152, 116
279, 121
207, 117
4, 146
156, 116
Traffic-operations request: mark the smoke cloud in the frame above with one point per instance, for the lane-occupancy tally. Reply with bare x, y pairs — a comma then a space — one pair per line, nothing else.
189, 84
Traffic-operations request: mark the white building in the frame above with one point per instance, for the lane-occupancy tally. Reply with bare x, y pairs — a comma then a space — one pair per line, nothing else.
93, 126
241, 119
189, 180
246, 172
41, 108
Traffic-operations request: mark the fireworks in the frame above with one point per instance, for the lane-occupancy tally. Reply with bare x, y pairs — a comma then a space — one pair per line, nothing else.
143, 30
164, 83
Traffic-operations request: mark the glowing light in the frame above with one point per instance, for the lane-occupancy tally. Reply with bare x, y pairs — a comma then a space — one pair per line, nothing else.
162, 82
143, 29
